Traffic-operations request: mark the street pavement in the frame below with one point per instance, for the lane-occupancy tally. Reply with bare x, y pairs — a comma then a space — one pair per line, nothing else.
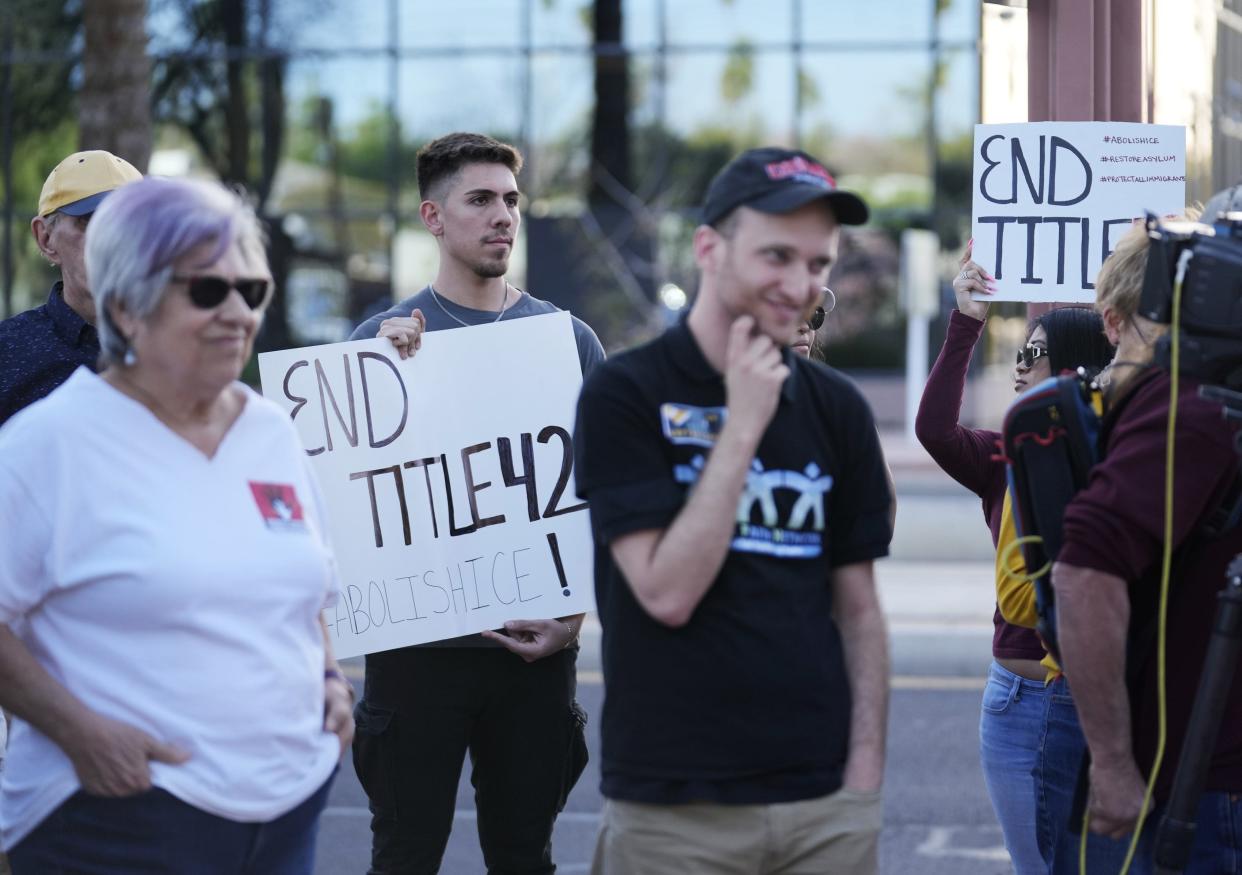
937, 819
936, 591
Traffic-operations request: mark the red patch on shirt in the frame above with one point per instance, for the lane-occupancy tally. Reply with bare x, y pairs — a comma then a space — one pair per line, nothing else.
278, 505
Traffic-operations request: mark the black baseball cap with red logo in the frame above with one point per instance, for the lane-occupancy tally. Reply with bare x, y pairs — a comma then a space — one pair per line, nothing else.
774, 180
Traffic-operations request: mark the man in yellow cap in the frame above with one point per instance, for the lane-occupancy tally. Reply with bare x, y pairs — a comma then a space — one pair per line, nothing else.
40, 348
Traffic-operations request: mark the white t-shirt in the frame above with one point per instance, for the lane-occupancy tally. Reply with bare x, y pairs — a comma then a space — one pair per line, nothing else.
176, 593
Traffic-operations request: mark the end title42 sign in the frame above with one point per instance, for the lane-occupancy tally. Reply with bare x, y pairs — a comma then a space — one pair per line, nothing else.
1051, 199
448, 478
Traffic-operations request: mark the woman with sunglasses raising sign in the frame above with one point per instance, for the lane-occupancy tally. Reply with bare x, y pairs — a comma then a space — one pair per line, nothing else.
162, 573
806, 341
1029, 740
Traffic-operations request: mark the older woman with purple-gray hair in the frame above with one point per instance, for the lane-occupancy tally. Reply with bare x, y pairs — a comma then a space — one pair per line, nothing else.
164, 564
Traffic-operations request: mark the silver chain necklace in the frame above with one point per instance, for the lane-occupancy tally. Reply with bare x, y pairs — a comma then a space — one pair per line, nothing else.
460, 321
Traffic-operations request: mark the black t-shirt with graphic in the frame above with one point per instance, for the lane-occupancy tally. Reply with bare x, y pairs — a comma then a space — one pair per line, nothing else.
747, 703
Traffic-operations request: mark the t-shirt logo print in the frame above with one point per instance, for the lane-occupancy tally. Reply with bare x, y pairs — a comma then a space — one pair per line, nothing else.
279, 506
760, 487
795, 538
689, 425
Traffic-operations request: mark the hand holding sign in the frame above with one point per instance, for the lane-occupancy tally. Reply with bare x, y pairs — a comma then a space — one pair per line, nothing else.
970, 280
405, 332
534, 639
1051, 199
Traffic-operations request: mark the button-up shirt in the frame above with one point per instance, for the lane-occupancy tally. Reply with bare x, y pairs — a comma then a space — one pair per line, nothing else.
39, 349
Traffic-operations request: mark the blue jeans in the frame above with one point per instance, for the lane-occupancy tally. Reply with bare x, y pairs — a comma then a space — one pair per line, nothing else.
1031, 746
155, 833
1217, 849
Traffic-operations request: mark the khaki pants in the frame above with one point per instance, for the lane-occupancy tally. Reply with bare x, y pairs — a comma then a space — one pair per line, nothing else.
4, 737
832, 834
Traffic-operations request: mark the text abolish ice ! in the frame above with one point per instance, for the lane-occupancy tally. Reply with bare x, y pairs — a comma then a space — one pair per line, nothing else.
447, 479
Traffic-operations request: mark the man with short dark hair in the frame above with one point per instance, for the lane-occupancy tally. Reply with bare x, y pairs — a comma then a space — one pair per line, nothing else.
505, 697
738, 500
40, 348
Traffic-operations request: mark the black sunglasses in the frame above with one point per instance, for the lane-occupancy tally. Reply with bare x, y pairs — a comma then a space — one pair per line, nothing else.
208, 292
821, 312
1029, 354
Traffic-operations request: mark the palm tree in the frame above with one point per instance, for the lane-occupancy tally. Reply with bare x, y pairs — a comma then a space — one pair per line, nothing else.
114, 105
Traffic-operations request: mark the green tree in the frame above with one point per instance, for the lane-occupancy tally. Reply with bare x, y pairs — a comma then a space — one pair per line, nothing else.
738, 78
36, 98
39, 88
234, 110
808, 89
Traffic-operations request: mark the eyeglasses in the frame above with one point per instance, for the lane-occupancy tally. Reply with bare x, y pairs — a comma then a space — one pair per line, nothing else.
79, 221
1029, 354
209, 292
821, 313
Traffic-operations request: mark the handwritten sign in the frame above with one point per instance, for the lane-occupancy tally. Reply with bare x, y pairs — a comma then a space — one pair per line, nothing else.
1051, 200
448, 478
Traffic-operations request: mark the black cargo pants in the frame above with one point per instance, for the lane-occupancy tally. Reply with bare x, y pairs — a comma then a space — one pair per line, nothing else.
423, 709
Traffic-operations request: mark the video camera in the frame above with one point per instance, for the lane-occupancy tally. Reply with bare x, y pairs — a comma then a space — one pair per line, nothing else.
1051, 433
1211, 305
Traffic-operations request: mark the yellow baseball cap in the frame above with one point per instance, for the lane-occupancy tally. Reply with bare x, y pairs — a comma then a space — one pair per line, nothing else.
77, 184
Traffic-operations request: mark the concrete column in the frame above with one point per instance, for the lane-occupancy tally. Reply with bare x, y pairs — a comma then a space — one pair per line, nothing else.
1129, 79
1085, 62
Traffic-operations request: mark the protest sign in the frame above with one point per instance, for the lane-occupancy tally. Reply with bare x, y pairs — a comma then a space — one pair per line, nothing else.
1051, 199
448, 478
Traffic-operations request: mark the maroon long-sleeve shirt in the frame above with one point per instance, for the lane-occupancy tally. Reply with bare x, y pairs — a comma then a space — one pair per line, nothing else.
967, 455
1116, 525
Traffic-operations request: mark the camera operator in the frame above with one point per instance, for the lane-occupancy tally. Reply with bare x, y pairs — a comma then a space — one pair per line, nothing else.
1107, 584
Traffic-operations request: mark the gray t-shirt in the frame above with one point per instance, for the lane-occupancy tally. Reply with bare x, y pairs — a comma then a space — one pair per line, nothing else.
437, 310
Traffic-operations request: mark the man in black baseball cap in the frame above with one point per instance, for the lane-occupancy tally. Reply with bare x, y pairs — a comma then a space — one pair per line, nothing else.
738, 499
774, 180
762, 190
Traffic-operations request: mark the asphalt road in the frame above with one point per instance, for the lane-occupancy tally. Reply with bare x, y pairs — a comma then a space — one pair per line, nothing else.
937, 817
937, 595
